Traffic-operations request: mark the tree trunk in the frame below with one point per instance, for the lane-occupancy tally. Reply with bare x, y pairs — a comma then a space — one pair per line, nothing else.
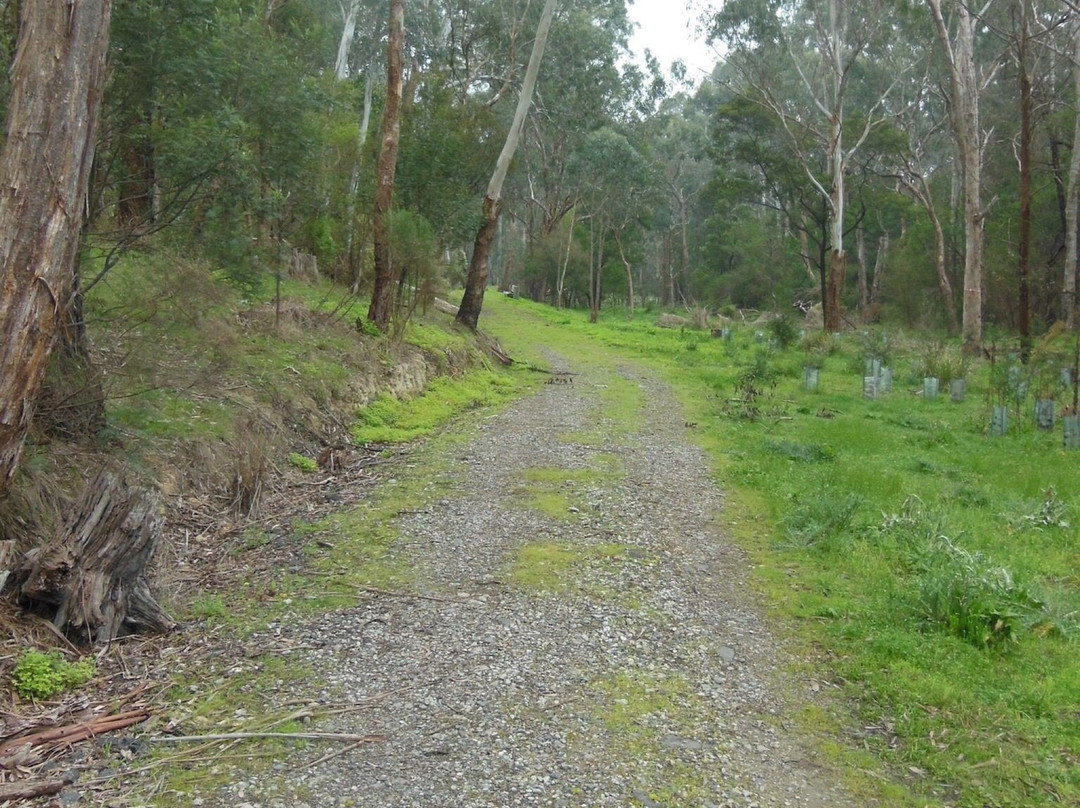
1072, 206
964, 119
669, 274
944, 284
925, 197
92, 577
348, 31
629, 277
476, 280
355, 256
879, 269
560, 285
864, 291
56, 84
804, 249
382, 295
1024, 247
834, 290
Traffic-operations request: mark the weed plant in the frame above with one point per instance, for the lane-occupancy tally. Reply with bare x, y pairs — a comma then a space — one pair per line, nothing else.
39, 675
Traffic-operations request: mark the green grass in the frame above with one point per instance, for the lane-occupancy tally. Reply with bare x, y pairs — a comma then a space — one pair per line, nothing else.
549, 566
391, 420
561, 493
933, 566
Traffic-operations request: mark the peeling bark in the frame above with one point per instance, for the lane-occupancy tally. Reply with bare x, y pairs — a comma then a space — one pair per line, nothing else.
92, 577
57, 79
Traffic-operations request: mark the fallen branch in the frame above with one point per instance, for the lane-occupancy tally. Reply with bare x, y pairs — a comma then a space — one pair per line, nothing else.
293, 736
56, 737
27, 790
330, 756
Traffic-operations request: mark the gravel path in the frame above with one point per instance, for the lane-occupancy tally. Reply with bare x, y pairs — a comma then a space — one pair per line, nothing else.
586, 635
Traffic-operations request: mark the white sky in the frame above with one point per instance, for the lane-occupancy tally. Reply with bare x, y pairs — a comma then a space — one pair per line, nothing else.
668, 29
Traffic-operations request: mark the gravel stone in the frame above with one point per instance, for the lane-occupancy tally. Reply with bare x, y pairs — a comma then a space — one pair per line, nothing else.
648, 678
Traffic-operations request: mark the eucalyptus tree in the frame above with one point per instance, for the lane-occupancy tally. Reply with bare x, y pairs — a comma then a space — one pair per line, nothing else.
681, 148
1072, 207
966, 82
383, 292
919, 158
476, 280
56, 85
756, 168
620, 187
587, 91
800, 60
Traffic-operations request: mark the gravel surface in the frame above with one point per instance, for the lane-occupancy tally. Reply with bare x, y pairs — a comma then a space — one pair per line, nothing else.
632, 670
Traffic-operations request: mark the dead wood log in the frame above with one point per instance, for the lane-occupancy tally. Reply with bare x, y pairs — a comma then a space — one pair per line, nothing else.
48, 740
489, 345
92, 576
28, 789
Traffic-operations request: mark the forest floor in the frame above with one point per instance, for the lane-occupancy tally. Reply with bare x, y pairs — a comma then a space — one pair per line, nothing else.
569, 626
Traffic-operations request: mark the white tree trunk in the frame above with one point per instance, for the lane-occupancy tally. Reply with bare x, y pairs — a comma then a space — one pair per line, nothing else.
964, 118
348, 32
476, 281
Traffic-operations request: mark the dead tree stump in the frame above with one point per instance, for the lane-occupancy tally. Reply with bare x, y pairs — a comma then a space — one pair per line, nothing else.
92, 577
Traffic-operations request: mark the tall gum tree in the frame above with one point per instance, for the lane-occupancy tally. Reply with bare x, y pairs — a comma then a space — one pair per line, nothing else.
964, 88
382, 296
1072, 206
476, 281
56, 86
824, 42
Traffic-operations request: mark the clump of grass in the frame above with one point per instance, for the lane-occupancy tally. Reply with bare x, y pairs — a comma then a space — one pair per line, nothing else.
305, 464
39, 675
826, 522
969, 597
820, 343
1051, 512
943, 362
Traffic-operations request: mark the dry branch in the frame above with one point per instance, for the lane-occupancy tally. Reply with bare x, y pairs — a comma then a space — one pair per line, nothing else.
55, 737
292, 736
9, 792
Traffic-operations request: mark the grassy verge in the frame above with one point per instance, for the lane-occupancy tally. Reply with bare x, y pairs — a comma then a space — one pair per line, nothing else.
933, 565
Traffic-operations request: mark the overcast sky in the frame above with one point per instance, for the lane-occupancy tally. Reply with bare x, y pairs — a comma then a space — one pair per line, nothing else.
667, 28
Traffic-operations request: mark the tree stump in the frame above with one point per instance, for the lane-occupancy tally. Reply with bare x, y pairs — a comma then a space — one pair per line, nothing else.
92, 577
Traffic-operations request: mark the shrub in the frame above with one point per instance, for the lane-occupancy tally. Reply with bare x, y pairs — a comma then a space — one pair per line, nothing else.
40, 675
755, 381
783, 331
877, 345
